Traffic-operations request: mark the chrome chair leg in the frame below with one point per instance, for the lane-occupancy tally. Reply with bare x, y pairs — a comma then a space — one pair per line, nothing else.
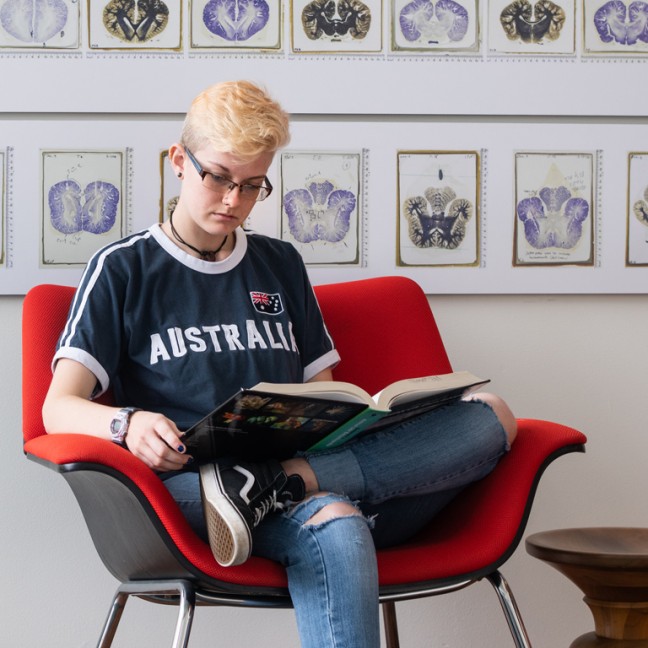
511, 611
112, 621
390, 624
186, 600
186, 606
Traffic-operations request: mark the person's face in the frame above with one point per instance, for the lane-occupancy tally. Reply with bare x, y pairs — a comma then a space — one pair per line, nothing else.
213, 206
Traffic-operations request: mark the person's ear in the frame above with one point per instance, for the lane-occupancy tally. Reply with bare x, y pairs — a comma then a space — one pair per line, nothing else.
177, 159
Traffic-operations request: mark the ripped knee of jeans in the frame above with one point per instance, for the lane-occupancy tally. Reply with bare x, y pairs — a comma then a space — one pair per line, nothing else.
320, 508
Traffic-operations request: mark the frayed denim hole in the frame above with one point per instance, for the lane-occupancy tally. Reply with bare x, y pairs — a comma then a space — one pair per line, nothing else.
506, 445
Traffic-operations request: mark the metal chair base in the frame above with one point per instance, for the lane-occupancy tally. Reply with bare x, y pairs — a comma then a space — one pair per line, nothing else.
182, 593
186, 599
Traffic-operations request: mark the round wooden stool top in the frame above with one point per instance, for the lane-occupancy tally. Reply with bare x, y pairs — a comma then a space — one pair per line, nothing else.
610, 566
603, 547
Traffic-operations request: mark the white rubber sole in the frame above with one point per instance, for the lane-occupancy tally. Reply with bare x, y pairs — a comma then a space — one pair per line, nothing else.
229, 536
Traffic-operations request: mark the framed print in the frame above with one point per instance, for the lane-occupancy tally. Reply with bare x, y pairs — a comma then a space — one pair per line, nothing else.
554, 209
438, 208
637, 244
135, 24
235, 24
615, 27
525, 27
82, 204
321, 205
336, 26
47, 25
435, 26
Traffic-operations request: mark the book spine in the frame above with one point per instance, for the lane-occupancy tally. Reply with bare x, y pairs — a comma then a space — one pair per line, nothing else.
350, 429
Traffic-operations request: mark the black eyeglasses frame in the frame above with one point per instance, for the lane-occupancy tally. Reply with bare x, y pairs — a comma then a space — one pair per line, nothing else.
228, 185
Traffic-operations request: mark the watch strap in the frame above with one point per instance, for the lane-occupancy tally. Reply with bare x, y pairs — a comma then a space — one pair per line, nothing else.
119, 425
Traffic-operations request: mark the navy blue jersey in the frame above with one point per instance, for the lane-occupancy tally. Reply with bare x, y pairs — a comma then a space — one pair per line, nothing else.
174, 334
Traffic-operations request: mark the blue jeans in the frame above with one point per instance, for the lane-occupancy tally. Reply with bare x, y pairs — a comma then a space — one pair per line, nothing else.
399, 478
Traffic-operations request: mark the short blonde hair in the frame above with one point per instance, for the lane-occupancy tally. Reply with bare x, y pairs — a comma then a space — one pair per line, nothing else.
236, 117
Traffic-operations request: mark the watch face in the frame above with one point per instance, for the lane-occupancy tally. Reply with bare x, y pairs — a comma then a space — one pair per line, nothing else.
119, 426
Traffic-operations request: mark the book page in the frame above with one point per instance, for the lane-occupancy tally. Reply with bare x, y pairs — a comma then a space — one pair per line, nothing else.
405, 391
328, 389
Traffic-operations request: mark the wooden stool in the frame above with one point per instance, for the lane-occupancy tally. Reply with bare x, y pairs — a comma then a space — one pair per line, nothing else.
610, 566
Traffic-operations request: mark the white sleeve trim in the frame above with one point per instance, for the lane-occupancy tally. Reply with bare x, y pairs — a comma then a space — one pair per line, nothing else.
328, 360
89, 362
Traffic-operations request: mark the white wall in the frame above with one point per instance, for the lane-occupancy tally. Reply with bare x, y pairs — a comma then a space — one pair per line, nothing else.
579, 360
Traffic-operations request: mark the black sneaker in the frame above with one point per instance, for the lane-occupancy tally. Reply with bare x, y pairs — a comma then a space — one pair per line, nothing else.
235, 500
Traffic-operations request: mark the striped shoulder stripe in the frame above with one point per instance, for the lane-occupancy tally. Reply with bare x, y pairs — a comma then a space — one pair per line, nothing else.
89, 279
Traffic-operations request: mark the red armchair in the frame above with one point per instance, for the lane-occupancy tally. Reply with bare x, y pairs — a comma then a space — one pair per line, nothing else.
385, 331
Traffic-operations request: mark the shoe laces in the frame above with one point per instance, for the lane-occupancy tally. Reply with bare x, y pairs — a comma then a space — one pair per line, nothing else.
265, 506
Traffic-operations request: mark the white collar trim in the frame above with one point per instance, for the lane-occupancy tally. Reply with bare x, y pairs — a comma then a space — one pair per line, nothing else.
206, 267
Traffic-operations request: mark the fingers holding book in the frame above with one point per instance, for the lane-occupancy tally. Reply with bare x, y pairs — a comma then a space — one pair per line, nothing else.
156, 440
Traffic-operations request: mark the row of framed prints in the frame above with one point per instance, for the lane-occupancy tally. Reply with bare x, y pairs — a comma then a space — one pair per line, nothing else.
543, 27
440, 218
357, 195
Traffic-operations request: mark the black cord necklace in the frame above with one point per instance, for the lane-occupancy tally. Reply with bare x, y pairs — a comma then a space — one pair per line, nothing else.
206, 255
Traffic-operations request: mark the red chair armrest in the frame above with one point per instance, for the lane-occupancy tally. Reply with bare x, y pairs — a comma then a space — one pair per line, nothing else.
485, 523
67, 452
74, 452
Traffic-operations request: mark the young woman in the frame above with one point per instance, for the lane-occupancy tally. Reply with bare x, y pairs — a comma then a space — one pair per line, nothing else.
179, 316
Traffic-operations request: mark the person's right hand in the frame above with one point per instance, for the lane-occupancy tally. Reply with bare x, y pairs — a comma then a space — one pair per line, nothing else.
156, 440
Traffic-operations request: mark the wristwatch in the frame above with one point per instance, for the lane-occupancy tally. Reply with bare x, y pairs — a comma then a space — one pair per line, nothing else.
119, 425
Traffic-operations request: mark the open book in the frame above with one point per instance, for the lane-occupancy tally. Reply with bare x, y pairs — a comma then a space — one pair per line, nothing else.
277, 420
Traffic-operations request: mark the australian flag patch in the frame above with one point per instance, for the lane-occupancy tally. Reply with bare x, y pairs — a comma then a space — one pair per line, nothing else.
269, 304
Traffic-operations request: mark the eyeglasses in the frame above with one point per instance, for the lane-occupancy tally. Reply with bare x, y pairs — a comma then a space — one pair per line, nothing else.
223, 185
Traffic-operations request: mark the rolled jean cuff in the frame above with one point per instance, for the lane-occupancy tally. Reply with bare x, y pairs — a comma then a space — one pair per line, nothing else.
338, 471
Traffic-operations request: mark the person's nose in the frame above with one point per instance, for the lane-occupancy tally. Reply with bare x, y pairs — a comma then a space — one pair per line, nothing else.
233, 195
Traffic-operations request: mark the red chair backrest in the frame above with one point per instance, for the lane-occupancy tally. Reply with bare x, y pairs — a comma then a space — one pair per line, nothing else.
383, 328
45, 311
